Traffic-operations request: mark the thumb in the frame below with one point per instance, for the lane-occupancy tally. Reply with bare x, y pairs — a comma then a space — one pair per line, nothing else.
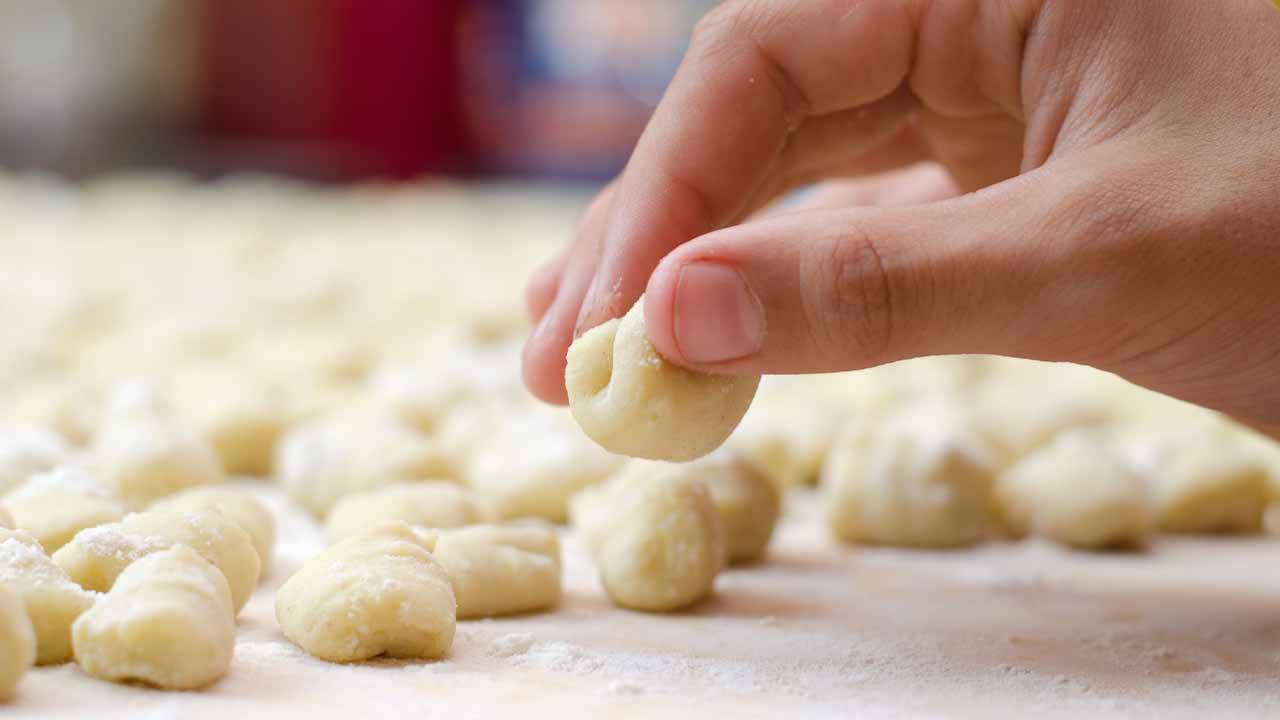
1030, 267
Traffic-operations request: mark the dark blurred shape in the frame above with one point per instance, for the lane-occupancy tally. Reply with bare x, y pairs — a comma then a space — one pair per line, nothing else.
335, 89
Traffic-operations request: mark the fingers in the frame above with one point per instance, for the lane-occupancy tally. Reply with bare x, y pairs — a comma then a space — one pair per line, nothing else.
829, 290
914, 185
755, 71
569, 274
543, 285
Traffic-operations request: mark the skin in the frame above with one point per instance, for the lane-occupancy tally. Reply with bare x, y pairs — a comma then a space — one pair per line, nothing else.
1070, 180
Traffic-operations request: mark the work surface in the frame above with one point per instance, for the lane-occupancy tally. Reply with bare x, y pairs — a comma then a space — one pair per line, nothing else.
1190, 629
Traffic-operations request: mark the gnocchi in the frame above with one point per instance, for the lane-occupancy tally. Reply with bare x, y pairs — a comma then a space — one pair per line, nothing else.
143, 458
657, 540
240, 505
17, 643
500, 569
428, 504
532, 463
321, 462
381, 593
52, 601
747, 501
632, 402
1205, 481
1077, 491
168, 622
55, 505
919, 479
95, 557
25, 451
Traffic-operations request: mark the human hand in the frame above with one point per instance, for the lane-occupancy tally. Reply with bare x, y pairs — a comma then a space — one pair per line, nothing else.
1120, 164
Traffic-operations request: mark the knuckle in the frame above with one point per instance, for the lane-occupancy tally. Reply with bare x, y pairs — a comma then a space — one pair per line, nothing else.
852, 310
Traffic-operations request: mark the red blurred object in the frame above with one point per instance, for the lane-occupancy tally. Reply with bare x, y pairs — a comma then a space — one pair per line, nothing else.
336, 88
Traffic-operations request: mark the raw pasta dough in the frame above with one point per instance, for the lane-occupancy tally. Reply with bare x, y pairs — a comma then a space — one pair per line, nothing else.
531, 463
17, 643
55, 505
1076, 490
657, 539
631, 401
52, 601
240, 505
6, 518
322, 462
95, 557
168, 621
142, 458
920, 478
501, 569
747, 501
428, 504
1205, 481
27, 451
381, 593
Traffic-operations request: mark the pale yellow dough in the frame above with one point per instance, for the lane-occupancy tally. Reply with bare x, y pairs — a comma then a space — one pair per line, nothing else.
6, 518
95, 557
1206, 481
746, 499
1078, 491
245, 509
25, 451
657, 539
501, 569
321, 462
55, 505
381, 593
427, 504
530, 462
917, 479
142, 458
168, 622
632, 402
17, 643
52, 601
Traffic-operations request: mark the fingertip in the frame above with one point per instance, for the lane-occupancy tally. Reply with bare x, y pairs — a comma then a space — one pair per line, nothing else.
659, 308
542, 367
543, 286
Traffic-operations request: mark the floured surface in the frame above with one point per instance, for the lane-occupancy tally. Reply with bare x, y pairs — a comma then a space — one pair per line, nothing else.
1188, 630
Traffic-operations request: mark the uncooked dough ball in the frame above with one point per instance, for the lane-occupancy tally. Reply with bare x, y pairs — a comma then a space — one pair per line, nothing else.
918, 479
142, 459
633, 402
1016, 416
52, 601
1204, 481
381, 593
6, 518
428, 504
27, 451
657, 540
532, 461
501, 569
746, 499
168, 622
324, 461
242, 506
17, 643
240, 419
55, 505
95, 557
1078, 491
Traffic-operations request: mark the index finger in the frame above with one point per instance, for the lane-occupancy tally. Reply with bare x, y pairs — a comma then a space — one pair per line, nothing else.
754, 71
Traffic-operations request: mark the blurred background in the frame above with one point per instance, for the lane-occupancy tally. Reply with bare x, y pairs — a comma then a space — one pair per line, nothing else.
334, 90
